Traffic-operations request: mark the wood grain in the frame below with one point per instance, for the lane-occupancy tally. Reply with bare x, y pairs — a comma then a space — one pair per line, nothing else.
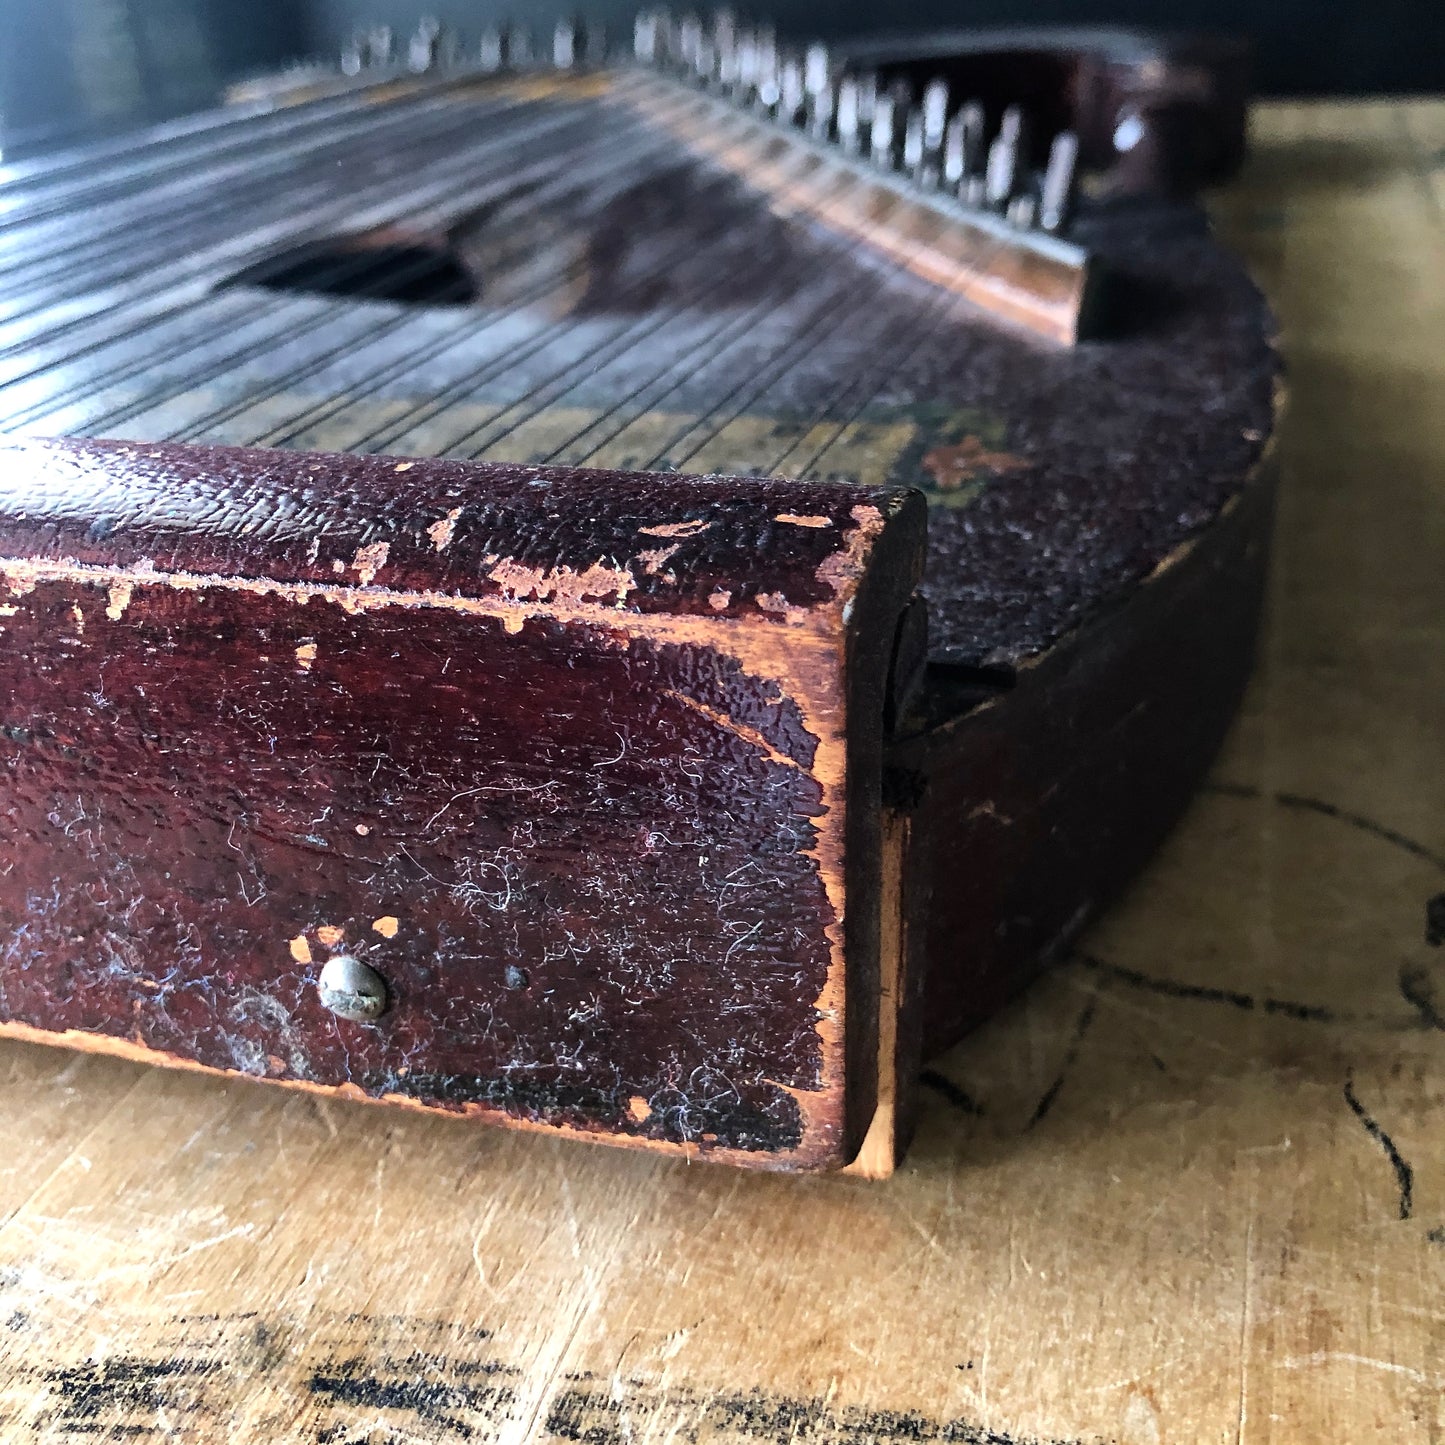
1191, 1187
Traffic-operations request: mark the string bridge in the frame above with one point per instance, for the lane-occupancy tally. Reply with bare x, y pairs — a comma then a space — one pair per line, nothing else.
1017, 273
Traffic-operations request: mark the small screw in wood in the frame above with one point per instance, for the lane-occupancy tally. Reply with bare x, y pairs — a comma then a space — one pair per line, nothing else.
351, 990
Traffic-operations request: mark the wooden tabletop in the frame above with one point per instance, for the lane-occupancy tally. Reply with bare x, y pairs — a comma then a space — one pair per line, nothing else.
1190, 1188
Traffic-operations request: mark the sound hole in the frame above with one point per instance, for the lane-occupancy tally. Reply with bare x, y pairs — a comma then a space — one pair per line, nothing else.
381, 265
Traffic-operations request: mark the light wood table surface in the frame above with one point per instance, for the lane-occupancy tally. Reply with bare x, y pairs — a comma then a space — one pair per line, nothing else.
1190, 1188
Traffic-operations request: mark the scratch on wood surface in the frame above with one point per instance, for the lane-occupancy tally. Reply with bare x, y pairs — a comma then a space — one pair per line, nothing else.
749, 735
548, 1371
676, 529
17, 1211
153, 1264
1369, 1362
1133, 1378
1246, 1312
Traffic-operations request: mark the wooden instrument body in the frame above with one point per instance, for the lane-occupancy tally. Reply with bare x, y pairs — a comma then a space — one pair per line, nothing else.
651, 798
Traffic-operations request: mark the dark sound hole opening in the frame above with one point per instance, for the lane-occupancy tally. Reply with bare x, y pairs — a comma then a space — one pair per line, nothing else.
373, 266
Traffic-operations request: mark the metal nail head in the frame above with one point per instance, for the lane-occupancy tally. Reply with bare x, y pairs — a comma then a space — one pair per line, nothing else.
351, 990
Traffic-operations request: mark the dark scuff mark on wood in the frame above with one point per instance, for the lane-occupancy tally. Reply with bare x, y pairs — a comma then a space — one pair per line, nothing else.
1076, 1039
955, 1094
395, 1376
1435, 920
1404, 1174
1417, 988
593, 1412
1206, 993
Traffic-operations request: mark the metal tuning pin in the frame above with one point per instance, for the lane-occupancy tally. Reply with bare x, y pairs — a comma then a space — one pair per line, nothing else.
1004, 160
1023, 211
490, 56
816, 70
867, 98
953, 151
1057, 197
728, 66
768, 89
422, 50
848, 120
745, 63
704, 59
689, 38
725, 48
354, 55
790, 91
973, 152
519, 47
821, 108
881, 132
818, 96
935, 113
647, 37
934, 119
724, 32
565, 47
913, 150
380, 45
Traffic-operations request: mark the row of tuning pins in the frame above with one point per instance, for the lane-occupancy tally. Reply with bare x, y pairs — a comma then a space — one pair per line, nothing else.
501, 47
928, 139
939, 146
430, 47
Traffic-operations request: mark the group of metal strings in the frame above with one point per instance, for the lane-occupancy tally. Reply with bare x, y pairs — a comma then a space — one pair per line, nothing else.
70, 362
927, 138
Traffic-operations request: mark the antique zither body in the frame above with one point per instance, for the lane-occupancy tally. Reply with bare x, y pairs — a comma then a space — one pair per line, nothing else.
634, 595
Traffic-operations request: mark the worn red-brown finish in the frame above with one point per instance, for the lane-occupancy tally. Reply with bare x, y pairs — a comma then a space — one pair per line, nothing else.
1031, 808
568, 758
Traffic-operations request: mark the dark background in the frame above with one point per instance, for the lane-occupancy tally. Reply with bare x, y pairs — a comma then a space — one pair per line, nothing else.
75, 67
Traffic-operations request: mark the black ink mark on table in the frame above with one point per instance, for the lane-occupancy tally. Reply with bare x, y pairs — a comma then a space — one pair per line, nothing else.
1418, 990
590, 1411
1404, 1175
955, 1094
1081, 1027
